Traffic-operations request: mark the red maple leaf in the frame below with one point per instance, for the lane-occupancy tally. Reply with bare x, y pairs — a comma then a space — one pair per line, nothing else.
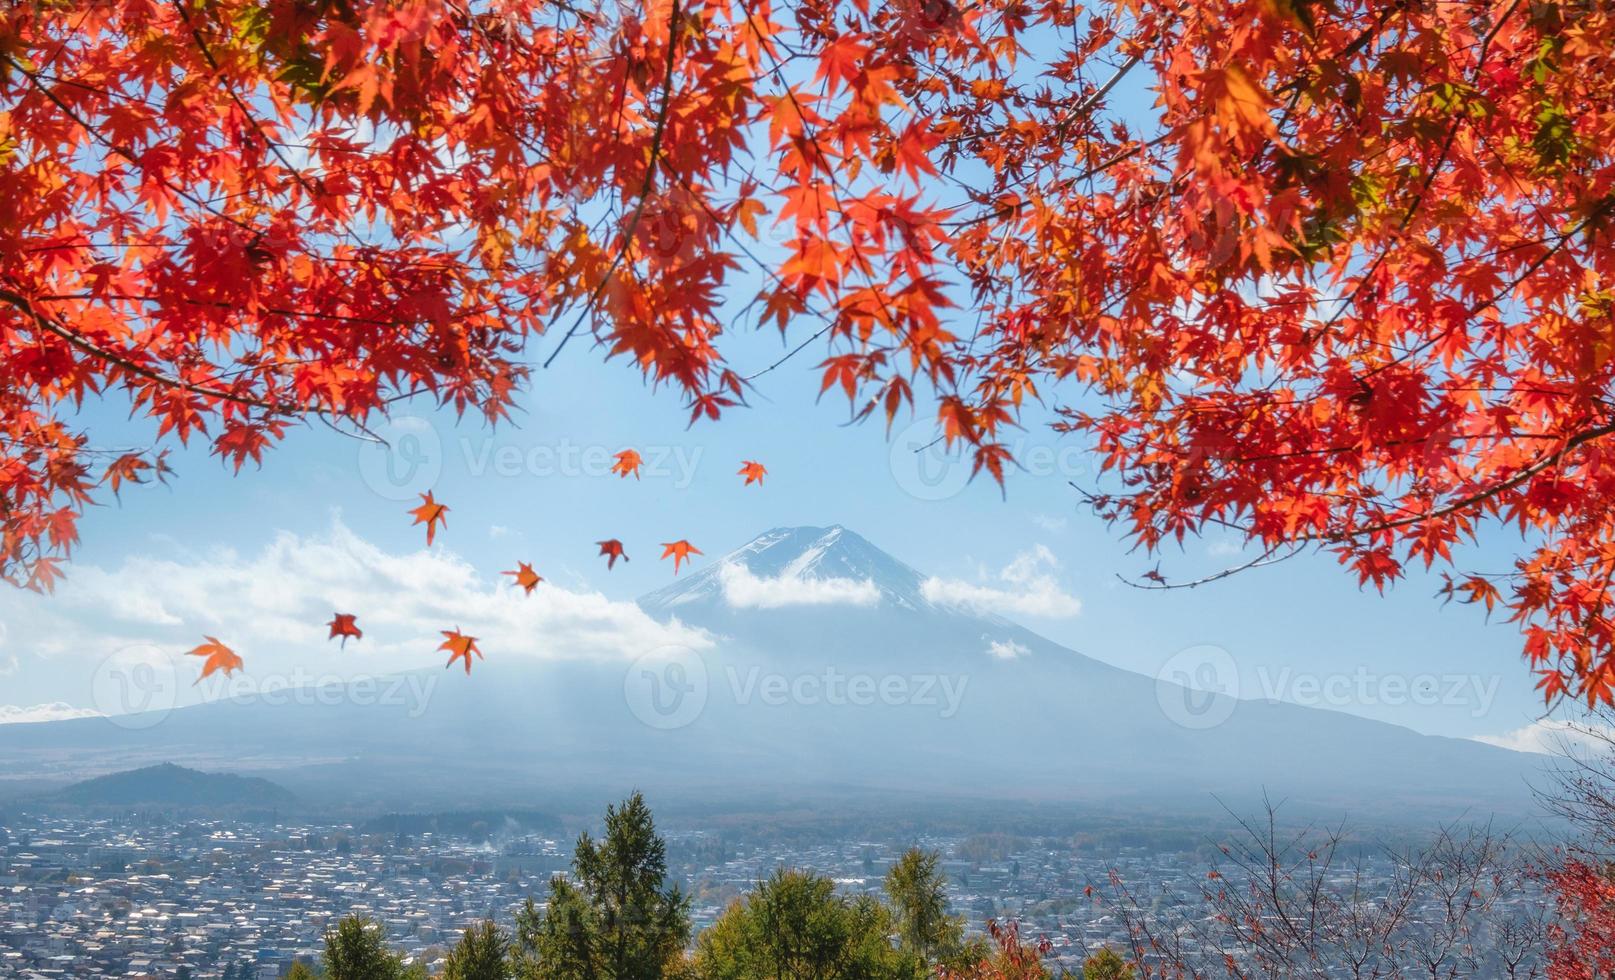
627, 462
430, 513
525, 577
459, 645
217, 657
612, 549
343, 625
679, 551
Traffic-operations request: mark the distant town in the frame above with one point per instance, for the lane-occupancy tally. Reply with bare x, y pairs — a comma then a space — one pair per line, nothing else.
166, 897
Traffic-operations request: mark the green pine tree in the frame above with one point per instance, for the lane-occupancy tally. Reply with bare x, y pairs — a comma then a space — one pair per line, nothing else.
917, 889
356, 949
481, 954
616, 920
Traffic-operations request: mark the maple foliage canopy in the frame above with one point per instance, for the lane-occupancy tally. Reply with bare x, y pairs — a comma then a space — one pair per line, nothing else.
1328, 276
1582, 942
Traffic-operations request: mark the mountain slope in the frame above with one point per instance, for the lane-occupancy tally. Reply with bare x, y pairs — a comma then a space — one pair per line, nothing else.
172, 785
831, 671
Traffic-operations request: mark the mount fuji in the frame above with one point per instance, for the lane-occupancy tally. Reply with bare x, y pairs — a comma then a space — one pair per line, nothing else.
833, 667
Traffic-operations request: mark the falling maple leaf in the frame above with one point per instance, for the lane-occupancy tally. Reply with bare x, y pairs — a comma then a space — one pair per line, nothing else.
753, 471
679, 550
430, 513
612, 549
525, 576
219, 657
627, 462
459, 645
343, 625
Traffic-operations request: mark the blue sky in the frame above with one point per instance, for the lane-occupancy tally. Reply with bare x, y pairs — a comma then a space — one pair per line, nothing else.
537, 490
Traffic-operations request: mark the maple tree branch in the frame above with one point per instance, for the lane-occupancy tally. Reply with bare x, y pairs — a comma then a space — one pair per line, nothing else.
257, 124
1120, 156
221, 305
1260, 561
112, 147
78, 341
1597, 213
793, 352
1479, 496
1429, 180
645, 188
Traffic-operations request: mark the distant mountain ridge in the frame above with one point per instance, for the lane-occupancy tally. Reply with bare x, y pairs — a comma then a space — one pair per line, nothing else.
829, 671
174, 785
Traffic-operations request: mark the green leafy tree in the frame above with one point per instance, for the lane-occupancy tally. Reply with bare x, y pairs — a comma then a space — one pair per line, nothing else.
1107, 964
356, 949
917, 889
795, 927
299, 971
481, 954
617, 920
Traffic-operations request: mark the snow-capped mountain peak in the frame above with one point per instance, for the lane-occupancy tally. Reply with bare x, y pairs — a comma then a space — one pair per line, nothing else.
798, 566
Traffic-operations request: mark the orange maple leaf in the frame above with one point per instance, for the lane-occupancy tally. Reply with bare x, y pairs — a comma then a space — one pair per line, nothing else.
753, 471
679, 550
525, 576
459, 645
343, 625
219, 657
430, 513
627, 462
612, 549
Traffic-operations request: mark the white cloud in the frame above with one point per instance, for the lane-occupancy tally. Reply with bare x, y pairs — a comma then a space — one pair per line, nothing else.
1026, 586
12, 714
1554, 736
1051, 524
272, 608
1006, 649
9, 666
744, 590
